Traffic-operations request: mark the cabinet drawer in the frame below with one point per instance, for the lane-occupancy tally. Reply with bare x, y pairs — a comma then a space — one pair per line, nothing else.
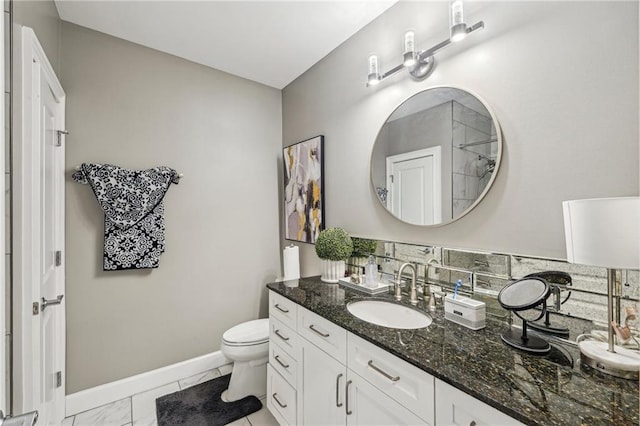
323, 333
283, 363
283, 336
281, 398
454, 407
283, 309
406, 384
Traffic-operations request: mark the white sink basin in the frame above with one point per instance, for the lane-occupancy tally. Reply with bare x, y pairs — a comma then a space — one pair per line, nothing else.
389, 314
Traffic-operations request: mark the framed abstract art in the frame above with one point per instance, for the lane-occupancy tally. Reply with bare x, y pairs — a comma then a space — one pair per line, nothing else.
304, 190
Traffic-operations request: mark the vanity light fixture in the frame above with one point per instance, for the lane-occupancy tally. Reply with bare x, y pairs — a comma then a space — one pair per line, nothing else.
421, 63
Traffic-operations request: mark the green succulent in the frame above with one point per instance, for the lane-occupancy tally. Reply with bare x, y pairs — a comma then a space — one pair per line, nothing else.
334, 244
363, 247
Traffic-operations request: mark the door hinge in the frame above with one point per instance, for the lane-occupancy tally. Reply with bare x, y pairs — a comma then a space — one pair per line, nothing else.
58, 379
391, 176
58, 260
60, 133
36, 308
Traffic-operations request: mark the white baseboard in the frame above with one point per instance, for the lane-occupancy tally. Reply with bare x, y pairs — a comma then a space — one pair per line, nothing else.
114, 391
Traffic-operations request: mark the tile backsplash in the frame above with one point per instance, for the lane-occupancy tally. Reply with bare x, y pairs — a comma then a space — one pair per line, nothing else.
485, 273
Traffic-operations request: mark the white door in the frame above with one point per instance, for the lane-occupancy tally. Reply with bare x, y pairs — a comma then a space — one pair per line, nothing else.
414, 184
38, 226
51, 277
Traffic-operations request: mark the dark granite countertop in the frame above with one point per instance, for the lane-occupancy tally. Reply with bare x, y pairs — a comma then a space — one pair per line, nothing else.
550, 390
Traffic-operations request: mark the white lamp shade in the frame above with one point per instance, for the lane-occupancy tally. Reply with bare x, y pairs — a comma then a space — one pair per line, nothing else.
603, 232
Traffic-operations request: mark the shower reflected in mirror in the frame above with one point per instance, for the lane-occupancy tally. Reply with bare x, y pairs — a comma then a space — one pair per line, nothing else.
436, 156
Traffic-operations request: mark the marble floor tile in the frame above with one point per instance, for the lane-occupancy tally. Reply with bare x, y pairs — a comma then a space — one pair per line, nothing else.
263, 417
115, 414
240, 422
68, 421
199, 378
225, 369
144, 404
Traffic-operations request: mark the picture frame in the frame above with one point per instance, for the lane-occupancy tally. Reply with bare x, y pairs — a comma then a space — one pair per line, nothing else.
303, 165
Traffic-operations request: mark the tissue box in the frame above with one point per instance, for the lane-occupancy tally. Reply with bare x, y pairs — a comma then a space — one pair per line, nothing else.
465, 311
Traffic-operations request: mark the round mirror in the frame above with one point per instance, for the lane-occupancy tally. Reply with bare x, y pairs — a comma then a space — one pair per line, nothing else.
436, 156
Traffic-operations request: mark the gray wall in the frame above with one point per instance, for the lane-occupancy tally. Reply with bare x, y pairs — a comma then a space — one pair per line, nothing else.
139, 108
566, 97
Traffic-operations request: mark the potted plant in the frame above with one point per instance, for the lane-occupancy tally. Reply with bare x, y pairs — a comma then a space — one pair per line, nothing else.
333, 247
362, 249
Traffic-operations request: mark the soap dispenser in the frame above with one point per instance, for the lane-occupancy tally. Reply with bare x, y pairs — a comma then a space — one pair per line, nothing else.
371, 272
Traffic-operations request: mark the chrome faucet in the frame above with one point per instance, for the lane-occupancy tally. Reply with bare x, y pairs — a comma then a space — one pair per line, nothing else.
413, 295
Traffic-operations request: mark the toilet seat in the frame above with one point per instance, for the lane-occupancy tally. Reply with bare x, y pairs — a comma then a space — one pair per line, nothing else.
248, 333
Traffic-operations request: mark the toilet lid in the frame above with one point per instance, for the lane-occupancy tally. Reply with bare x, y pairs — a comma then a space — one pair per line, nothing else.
250, 332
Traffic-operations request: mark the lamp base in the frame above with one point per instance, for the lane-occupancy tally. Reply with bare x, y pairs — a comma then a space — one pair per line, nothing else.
622, 363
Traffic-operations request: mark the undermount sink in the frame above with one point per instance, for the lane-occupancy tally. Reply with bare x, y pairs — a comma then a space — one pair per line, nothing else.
389, 314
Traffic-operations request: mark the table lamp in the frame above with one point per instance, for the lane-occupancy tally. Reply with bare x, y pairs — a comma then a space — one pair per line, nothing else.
605, 232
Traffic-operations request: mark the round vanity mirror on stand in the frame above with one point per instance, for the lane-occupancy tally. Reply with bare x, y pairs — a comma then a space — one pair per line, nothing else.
523, 295
436, 156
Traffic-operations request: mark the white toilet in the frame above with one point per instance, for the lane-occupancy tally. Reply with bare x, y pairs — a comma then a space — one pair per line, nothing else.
247, 345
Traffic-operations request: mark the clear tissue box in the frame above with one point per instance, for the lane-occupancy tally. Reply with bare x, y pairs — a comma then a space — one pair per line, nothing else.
465, 311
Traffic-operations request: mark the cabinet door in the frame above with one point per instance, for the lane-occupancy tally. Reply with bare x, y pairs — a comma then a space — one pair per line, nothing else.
366, 405
321, 397
456, 408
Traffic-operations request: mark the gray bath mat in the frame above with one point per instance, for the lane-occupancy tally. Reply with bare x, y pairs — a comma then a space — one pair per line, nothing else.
201, 405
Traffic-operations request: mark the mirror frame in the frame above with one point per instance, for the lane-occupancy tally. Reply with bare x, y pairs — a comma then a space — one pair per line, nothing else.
499, 140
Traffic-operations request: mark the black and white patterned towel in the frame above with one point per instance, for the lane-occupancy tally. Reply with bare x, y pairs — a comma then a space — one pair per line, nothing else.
133, 212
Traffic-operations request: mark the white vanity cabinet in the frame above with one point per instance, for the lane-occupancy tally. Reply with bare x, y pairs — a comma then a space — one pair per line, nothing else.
284, 353
456, 408
333, 393
320, 374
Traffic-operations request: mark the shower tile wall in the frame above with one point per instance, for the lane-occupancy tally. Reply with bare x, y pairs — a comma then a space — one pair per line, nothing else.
469, 171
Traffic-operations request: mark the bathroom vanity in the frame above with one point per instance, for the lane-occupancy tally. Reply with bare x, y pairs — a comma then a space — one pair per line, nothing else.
328, 367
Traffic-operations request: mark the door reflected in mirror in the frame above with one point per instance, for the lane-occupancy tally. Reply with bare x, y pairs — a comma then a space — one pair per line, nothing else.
436, 156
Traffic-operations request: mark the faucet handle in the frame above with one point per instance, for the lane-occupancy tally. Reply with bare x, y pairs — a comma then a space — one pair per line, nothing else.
397, 287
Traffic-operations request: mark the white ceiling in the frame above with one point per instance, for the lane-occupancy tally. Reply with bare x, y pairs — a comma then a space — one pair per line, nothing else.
271, 42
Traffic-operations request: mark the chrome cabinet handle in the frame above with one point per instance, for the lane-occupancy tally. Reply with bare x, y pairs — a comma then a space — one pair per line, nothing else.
50, 302
285, 338
318, 332
384, 373
349, 412
277, 358
338, 403
278, 401
277, 306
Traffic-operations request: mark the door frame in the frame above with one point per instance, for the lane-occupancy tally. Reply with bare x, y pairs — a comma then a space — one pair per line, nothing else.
4, 327
435, 152
26, 218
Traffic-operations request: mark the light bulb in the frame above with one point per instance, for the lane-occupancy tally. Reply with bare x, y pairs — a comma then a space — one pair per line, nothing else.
458, 27
457, 15
374, 74
373, 64
409, 49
